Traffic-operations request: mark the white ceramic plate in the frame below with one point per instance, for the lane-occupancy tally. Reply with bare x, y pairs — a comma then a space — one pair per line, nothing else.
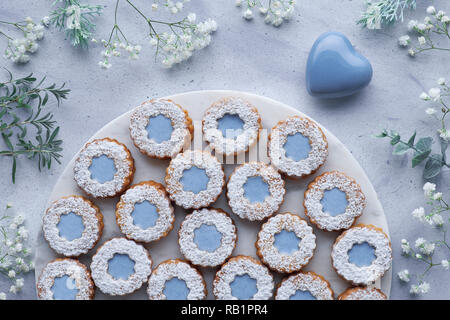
151, 169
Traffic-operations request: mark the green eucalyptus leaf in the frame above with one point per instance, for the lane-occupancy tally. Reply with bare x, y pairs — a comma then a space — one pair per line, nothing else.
444, 146
424, 144
395, 140
400, 149
411, 140
433, 166
419, 157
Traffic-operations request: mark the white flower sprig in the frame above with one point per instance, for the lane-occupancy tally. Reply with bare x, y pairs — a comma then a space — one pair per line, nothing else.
423, 250
439, 95
174, 45
275, 12
18, 49
15, 257
76, 19
437, 23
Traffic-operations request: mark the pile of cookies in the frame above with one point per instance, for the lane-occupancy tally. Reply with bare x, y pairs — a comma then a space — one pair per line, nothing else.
194, 180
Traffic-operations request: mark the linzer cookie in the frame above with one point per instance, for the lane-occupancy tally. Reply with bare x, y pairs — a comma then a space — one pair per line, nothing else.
333, 201
362, 254
304, 286
297, 147
362, 293
207, 237
231, 126
72, 225
255, 191
120, 267
285, 243
65, 279
161, 128
104, 168
176, 280
243, 278
144, 212
194, 179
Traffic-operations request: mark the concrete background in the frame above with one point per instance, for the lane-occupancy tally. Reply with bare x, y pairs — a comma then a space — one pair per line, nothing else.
253, 57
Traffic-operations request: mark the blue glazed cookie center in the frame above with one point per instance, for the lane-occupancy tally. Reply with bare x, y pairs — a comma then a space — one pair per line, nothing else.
176, 289
256, 189
243, 287
297, 147
286, 242
231, 125
70, 226
159, 128
121, 266
102, 169
207, 238
194, 179
144, 214
361, 254
302, 295
64, 288
334, 202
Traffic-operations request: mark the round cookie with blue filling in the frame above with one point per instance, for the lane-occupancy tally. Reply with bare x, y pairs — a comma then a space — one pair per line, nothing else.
161, 128
194, 179
207, 237
144, 212
104, 168
362, 293
304, 286
362, 254
285, 243
176, 280
72, 225
120, 267
231, 126
333, 201
255, 191
297, 147
65, 279
243, 278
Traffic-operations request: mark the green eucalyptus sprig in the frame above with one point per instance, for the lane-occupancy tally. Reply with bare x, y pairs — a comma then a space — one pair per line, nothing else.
384, 12
76, 19
22, 102
422, 151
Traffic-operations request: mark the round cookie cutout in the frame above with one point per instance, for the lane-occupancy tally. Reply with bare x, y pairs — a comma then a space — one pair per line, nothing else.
194, 179
243, 278
72, 225
285, 243
161, 128
176, 280
144, 212
207, 237
333, 201
65, 279
362, 293
255, 191
297, 147
231, 125
362, 254
104, 168
304, 286
120, 267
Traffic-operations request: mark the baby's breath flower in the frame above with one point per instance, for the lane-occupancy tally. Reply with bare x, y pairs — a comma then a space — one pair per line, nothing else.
2, 296
154, 6
405, 247
431, 10
238, 3
411, 52
247, 14
45, 21
412, 24
404, 41
424, 287
430, 111
11, 274
404, 275
429, 189
13, 289
424, 96
445, 264
418, 213
441, 81
435, 94
421, 40
437, 220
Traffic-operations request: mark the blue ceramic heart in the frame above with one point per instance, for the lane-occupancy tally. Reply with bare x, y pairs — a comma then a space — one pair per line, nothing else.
335, 69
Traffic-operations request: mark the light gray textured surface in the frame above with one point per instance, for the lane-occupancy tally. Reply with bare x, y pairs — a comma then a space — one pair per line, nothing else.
253, 57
